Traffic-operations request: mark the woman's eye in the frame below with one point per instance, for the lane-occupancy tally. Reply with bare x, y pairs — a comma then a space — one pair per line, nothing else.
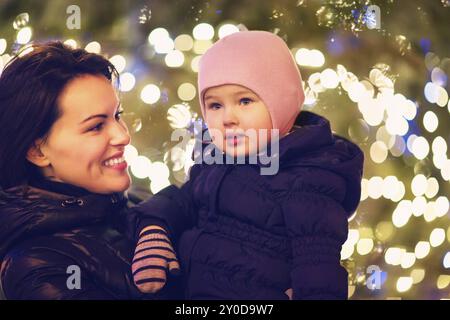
119, 115
97, 127
246, 101
214, 106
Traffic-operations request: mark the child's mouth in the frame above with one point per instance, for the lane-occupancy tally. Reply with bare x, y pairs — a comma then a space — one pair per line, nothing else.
235, 140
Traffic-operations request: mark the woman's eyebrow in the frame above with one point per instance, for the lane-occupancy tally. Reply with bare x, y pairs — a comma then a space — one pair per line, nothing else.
104, 116
93, 117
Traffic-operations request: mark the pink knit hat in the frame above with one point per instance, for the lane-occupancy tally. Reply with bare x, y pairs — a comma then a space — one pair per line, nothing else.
262, 62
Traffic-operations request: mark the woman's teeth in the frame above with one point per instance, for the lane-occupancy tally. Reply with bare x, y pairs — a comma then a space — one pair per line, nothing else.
113, 162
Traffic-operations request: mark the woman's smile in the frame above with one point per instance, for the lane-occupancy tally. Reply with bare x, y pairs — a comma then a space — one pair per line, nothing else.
117, 162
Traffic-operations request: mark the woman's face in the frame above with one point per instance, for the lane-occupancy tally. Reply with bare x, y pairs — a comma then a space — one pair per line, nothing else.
236, 117
86, 137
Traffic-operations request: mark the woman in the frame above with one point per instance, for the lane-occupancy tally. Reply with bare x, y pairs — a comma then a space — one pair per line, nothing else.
65, 231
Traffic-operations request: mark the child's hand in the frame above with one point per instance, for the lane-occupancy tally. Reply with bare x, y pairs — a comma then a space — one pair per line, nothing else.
153, 255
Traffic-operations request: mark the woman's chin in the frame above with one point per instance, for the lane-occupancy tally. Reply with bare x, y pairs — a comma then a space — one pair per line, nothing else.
124, 185
116, 185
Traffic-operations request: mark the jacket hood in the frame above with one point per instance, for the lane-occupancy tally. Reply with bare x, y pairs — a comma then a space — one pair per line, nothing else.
28, 211
312, 143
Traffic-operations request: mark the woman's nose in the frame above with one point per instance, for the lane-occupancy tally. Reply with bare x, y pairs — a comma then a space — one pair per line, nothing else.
120, 134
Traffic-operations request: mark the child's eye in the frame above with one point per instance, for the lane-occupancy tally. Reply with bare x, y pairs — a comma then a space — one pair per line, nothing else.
214, 106
246, 101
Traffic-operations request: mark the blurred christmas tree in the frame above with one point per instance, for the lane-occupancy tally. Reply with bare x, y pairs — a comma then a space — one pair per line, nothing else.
379, 74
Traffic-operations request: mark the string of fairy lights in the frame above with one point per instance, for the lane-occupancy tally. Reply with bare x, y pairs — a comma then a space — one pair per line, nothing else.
379, 107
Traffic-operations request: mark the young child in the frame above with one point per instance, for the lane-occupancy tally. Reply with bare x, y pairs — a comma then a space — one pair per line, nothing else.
240, 234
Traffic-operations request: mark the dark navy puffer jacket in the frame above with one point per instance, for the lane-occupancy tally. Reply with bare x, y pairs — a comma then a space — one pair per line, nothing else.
243, 235
44, 232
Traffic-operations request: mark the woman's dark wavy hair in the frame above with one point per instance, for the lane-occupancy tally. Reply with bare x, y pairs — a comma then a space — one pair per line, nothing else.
30, 86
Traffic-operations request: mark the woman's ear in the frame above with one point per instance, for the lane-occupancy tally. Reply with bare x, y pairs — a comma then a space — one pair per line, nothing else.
35, 155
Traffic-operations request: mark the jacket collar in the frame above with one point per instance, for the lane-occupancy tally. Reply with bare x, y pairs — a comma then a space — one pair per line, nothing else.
29, 211
311, 131
58, 187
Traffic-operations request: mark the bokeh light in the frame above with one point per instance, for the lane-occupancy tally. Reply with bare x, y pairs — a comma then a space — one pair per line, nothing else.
383, 89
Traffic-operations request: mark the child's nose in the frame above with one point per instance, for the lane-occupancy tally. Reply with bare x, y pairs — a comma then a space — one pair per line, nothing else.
230, 117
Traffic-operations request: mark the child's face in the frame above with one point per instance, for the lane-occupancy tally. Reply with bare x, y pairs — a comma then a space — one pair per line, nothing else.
235, 116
